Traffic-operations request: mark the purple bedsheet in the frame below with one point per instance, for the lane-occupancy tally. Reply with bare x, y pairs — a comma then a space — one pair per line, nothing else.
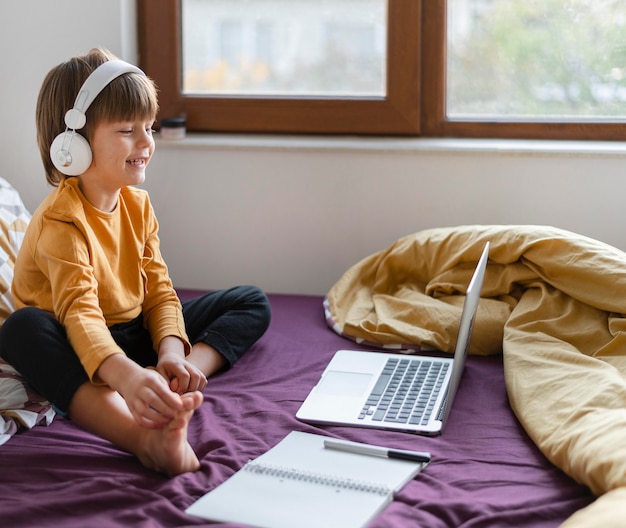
485, 471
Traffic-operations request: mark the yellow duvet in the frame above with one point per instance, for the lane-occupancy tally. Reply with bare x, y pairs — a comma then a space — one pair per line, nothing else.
553, 302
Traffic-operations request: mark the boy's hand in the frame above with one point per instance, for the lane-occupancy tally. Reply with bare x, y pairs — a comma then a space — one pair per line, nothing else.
182, 375
147, 394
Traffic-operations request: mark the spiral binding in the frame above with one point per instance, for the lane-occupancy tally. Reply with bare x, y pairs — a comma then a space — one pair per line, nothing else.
316, 478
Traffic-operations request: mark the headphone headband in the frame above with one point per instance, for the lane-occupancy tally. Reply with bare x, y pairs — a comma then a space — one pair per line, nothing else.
93, 85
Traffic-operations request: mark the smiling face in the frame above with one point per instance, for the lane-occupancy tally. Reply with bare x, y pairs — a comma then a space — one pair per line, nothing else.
121, 152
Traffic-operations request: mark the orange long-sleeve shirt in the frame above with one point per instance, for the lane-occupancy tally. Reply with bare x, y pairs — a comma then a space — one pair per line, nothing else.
93, 269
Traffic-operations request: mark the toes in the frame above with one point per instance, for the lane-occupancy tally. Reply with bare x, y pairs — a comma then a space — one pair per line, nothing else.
192, 400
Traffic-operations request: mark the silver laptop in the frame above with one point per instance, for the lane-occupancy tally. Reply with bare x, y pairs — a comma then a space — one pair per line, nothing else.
394, 391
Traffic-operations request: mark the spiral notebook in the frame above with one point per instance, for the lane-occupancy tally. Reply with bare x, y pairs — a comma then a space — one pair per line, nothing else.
300, 483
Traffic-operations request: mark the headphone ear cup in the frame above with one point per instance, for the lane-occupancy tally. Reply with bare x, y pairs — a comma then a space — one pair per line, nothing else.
70, 153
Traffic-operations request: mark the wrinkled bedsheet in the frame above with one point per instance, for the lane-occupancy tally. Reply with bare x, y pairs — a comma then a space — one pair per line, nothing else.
553, 301
485, 470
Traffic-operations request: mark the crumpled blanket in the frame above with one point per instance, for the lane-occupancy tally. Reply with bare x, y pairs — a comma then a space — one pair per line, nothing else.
20, 406
553, 302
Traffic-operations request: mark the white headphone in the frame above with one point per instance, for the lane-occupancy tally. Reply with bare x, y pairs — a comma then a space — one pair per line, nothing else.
70, 152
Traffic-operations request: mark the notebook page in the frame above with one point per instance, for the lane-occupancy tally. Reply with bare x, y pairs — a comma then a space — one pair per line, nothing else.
300, 483
270, 502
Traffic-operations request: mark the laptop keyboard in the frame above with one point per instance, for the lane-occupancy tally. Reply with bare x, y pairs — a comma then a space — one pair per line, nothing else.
406, 391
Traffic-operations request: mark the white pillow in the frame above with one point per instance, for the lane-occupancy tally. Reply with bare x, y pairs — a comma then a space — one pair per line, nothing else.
14, 218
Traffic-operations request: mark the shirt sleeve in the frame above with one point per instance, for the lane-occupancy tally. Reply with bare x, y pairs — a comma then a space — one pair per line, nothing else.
63, 256
162, 309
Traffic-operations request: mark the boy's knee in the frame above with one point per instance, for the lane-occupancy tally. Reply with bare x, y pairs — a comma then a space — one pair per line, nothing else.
26, 314
258, 299
18, 329
18, 322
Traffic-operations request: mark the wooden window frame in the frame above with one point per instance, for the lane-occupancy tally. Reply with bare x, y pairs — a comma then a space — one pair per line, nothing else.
414, 104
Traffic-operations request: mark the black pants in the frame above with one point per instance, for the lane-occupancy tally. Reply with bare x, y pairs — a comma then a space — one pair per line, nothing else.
36, 344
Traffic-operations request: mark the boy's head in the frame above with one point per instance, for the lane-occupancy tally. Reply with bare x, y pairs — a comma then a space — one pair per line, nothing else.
129, 96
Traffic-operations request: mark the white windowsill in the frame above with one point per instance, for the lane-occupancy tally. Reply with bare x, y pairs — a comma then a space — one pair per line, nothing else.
400, 145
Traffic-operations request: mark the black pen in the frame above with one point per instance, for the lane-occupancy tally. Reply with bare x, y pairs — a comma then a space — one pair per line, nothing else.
364, 449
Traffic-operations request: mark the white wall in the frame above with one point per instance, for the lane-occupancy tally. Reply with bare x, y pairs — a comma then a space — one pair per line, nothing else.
35, 35
291, 214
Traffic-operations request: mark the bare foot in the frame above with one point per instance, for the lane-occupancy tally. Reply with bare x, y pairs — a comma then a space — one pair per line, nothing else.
166, 449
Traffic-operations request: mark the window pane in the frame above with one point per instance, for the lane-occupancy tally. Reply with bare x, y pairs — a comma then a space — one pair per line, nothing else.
536, 59
284, 47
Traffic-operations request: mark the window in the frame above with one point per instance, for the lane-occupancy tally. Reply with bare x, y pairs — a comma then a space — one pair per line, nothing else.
396, 111
311, 48
464, 68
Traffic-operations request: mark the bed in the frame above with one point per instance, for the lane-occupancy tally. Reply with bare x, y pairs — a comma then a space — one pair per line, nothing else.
550, 333
485, 470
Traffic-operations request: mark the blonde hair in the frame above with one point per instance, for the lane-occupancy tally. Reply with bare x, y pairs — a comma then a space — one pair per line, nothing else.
128, 97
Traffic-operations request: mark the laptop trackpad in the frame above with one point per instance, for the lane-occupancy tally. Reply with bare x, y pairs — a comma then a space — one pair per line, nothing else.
344, 383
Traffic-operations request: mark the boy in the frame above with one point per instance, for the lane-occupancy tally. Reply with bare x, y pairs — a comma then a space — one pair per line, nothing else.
99, 329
